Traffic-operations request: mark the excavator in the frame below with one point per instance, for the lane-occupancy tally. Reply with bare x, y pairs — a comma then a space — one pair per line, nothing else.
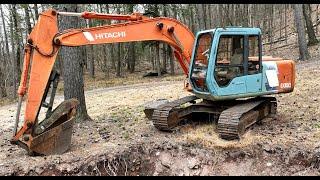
231, 81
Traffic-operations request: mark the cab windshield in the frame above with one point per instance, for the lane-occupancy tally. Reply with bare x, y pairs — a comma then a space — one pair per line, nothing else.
201, 61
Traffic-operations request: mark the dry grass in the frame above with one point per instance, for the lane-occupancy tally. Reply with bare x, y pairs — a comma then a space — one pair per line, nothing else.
207, 136
5, 101
297, 123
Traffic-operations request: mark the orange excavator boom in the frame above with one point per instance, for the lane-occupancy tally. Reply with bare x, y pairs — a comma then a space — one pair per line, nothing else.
42, 48
94, 15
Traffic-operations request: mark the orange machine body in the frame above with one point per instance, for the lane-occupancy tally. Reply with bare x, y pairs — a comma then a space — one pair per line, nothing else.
285, 72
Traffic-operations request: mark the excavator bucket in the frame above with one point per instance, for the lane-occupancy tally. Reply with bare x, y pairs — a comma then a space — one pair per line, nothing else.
54, 141
53, 135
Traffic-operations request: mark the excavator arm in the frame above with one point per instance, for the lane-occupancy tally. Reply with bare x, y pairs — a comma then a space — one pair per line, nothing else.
40, 54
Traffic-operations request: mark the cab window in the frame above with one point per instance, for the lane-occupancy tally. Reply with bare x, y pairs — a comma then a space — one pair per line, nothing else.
254, 51
201, 61
230, 59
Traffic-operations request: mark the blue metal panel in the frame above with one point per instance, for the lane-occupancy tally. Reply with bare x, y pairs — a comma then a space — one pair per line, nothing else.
253, 83
236, 86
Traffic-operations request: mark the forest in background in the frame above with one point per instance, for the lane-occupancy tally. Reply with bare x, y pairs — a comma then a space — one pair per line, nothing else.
277, 22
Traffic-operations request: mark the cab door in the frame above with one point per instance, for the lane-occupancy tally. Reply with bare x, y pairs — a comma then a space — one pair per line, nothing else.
253, 64
229, 71
199, 67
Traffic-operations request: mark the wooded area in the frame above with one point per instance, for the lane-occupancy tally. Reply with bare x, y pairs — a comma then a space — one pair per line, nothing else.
249, 106
277, 22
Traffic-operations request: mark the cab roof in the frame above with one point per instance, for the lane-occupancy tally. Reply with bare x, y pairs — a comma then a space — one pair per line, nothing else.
244, 30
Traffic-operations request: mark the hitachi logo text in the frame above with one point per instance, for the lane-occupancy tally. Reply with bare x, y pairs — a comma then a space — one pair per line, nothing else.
111, 35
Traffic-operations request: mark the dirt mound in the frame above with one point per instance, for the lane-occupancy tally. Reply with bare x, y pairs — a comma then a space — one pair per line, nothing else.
166, 158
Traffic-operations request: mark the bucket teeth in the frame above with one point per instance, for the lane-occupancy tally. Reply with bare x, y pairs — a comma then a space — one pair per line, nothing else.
61, 114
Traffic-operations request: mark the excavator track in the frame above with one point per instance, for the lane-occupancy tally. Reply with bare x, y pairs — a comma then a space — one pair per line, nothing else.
167, 116
234, 117
234, 121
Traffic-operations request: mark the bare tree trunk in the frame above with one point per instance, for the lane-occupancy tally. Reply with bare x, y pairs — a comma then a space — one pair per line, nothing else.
256, 15
3, 68
7, 54
152, 58
105, 62
59, 60
209, 20
245, 15
2, 49
14, 62
3, 92
105, 47
220, 10
200, 15
171, 59
111, 47
281, 19
35, 8
298, 16
91, 57
317, 17
17, 40
204, 14
191, 13
271, 26
5, 34
27, 18
118, 60
73, 68
249, 7
83, 49
310, 31
132, 55
158, 63
2, 86
264, 23
164, 57
119, 51
285, 23
157, 46
165, 46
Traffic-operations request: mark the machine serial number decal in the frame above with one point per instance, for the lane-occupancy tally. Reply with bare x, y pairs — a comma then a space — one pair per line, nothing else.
285, 85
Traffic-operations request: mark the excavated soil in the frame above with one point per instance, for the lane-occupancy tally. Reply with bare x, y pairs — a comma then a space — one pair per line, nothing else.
121, 141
